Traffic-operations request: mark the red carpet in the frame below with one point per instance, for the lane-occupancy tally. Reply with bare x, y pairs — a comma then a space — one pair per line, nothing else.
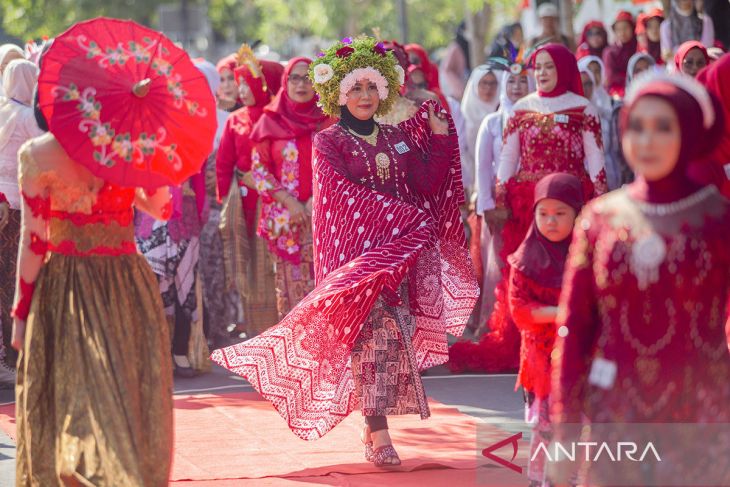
222, 439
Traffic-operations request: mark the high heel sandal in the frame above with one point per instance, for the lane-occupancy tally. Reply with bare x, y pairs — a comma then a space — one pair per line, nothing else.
385, 456
368, 444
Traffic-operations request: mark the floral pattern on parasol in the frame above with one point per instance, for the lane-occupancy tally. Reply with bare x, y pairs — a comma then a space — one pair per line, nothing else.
126, 103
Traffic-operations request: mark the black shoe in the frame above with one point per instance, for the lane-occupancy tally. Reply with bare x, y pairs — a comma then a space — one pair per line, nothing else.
183, 372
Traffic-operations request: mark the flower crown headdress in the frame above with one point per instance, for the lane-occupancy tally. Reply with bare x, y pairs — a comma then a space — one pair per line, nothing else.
339, 68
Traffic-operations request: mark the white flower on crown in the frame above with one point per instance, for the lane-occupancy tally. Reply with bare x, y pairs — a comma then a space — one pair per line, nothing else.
401, 74
323, 73
368, 73
515, 69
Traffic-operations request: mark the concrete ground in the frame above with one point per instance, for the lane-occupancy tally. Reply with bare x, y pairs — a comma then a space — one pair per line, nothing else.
489, 397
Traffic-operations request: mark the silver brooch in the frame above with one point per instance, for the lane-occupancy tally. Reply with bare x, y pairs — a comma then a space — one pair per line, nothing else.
647, 254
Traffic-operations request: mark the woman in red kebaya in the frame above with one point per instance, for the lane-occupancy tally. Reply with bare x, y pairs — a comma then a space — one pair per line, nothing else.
393, 272
553, 130
282, 174
228, 97
641, 335
536, 277
257, 80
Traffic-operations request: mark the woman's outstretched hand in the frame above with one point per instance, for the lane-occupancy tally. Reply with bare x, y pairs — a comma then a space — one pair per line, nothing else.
438, 121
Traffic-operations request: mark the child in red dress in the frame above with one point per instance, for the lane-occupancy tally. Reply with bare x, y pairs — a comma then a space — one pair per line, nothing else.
536, 274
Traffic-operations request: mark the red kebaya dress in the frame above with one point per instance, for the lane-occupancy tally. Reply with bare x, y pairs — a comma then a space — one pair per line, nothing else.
393, 277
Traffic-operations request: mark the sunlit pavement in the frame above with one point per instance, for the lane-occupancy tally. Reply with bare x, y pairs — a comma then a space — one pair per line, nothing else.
491, 398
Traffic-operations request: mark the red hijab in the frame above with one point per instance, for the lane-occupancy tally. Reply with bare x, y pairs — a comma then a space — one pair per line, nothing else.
584, 49
229, 62
264, 87
684, 49
567, 67
653, 48
689, 174
285, 118
716, 78
537, 257
431, 71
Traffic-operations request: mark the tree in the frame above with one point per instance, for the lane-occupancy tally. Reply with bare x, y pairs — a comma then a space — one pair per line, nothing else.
276, 22
36, 18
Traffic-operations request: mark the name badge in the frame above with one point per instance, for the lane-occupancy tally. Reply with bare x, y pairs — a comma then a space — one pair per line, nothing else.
603, 373
401, 147
561, 118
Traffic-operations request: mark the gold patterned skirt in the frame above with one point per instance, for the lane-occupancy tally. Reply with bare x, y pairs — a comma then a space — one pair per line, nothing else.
295, 281
94, 387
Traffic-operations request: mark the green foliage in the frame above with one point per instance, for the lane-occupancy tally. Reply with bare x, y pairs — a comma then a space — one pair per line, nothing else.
430, 22
36, 18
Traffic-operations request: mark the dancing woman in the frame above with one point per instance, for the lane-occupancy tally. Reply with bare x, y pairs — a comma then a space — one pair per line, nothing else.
393, 273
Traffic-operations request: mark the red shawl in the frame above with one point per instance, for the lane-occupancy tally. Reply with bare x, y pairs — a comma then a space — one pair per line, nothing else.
284, 118
366, 243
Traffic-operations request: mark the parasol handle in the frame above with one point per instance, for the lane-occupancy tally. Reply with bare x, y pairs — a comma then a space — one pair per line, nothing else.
141, 88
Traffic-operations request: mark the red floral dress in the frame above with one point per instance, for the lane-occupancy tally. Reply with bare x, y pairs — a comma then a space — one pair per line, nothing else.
234, 154
282, 165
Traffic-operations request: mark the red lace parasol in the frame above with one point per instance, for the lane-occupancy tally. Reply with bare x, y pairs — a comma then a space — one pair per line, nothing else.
127, 103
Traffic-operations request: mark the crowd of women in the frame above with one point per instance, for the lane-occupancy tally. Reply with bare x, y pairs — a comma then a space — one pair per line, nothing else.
363, 208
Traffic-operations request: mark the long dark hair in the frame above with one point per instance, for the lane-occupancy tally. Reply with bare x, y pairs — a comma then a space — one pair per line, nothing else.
463, 42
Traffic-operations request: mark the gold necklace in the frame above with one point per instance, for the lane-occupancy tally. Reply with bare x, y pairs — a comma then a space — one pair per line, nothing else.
371, 139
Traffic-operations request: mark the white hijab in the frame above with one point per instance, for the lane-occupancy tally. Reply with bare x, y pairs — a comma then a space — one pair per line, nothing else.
601, 99
19, 79
505, 104
6, 49
214, 80
472, 107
